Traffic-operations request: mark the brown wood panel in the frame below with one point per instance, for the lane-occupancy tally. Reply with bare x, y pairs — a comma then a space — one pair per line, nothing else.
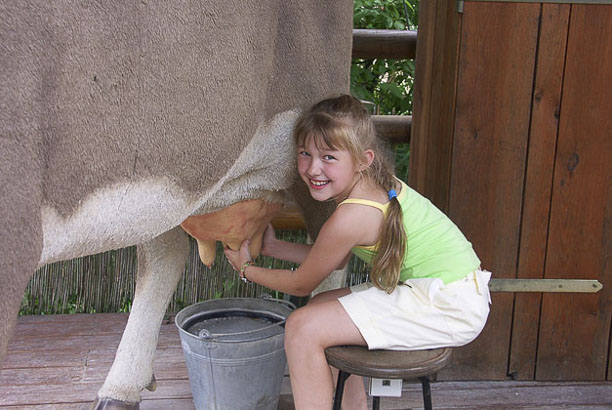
434, 100
607, 250
546, 103
574, 331
421, 95
494, 88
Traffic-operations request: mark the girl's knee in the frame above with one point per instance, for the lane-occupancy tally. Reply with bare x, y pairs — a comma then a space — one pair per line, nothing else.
296, 322
300, 328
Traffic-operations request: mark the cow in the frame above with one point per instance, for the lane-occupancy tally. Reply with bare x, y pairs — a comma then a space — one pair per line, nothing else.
119, 121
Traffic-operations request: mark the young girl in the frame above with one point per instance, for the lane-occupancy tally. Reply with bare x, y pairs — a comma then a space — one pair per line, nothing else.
426, 288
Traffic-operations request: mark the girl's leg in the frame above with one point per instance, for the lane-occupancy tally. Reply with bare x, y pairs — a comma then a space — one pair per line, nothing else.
329, 295
308, 332
354, 389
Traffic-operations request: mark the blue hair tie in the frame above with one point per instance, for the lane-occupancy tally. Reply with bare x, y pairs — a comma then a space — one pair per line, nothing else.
392, 194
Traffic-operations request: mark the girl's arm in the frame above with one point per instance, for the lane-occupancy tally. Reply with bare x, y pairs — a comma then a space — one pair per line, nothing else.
289, 251
286, 251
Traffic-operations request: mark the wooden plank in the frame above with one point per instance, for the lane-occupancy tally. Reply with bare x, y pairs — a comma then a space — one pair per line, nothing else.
290, 218
168, 364
607, 250
393, 128
546, 103
41, 375
84, 343
421, 95
50, 358
434, 100
490, 148
574, 332
76, 319
81, 392
72, 325
545, 285
396, 44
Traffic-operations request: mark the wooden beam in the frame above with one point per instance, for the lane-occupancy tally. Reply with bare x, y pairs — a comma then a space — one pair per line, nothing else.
289, 218
545, 285
434, 96
393, 128
397, 44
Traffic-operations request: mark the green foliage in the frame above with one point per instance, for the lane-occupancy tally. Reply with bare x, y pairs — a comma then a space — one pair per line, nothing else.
385, 14
386, 83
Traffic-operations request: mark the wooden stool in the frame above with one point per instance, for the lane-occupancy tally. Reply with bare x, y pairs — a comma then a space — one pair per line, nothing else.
386, 364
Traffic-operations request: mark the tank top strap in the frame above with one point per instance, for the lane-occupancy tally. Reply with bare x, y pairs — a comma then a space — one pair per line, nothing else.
366, 202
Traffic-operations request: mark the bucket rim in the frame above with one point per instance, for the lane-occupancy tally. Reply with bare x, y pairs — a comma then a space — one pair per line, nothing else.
218, 338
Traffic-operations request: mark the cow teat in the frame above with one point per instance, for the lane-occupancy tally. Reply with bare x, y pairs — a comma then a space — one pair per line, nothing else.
231, 225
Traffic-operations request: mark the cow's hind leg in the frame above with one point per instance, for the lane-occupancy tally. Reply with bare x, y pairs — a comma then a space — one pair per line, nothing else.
160, 265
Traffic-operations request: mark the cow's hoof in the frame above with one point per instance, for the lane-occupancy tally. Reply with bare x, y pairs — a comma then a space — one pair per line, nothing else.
110, 404
153, 385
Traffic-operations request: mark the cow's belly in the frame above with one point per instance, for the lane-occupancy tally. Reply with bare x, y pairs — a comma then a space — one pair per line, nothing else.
132, 213
128, 213
112, 218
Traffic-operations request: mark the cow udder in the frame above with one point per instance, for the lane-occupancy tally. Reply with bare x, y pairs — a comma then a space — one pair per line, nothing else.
231, 225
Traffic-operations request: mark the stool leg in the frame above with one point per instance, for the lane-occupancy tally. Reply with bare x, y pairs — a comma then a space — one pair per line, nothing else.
375, 403
426, 392
342, 376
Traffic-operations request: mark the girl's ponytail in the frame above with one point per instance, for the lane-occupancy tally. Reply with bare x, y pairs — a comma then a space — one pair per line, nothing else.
387, 263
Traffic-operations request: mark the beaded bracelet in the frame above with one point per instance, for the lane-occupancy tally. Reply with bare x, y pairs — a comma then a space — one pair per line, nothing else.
243, 269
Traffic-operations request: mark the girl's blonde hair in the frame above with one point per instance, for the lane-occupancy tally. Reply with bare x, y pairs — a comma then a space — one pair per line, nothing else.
343, 123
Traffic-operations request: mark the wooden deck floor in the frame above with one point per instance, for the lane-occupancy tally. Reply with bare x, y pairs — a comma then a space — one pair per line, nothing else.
60, 361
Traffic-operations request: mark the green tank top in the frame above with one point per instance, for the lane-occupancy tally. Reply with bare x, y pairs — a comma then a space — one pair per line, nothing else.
436, 248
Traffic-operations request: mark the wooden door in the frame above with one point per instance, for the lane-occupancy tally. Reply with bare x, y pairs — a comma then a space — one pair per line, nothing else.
527, 154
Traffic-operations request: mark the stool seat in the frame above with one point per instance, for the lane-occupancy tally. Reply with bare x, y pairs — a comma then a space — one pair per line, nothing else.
388, 364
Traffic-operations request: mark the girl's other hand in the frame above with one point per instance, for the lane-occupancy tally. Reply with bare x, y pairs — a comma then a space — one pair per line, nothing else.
269, 240
238, 258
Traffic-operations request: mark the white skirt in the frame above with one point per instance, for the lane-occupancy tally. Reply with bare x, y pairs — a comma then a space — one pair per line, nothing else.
420, 313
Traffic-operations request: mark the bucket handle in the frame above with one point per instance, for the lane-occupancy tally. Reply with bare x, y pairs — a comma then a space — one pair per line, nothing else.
265, 296
204, 334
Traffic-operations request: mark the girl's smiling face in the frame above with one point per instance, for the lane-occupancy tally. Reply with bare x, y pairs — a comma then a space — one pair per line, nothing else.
328, 173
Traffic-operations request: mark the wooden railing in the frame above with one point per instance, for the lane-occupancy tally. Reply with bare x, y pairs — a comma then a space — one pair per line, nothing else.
384, 44
368, 44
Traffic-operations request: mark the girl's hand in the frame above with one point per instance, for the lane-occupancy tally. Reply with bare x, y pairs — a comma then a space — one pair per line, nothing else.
269, 239
238, 258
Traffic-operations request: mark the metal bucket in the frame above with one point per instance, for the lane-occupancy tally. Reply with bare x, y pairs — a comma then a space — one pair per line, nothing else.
234, 350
